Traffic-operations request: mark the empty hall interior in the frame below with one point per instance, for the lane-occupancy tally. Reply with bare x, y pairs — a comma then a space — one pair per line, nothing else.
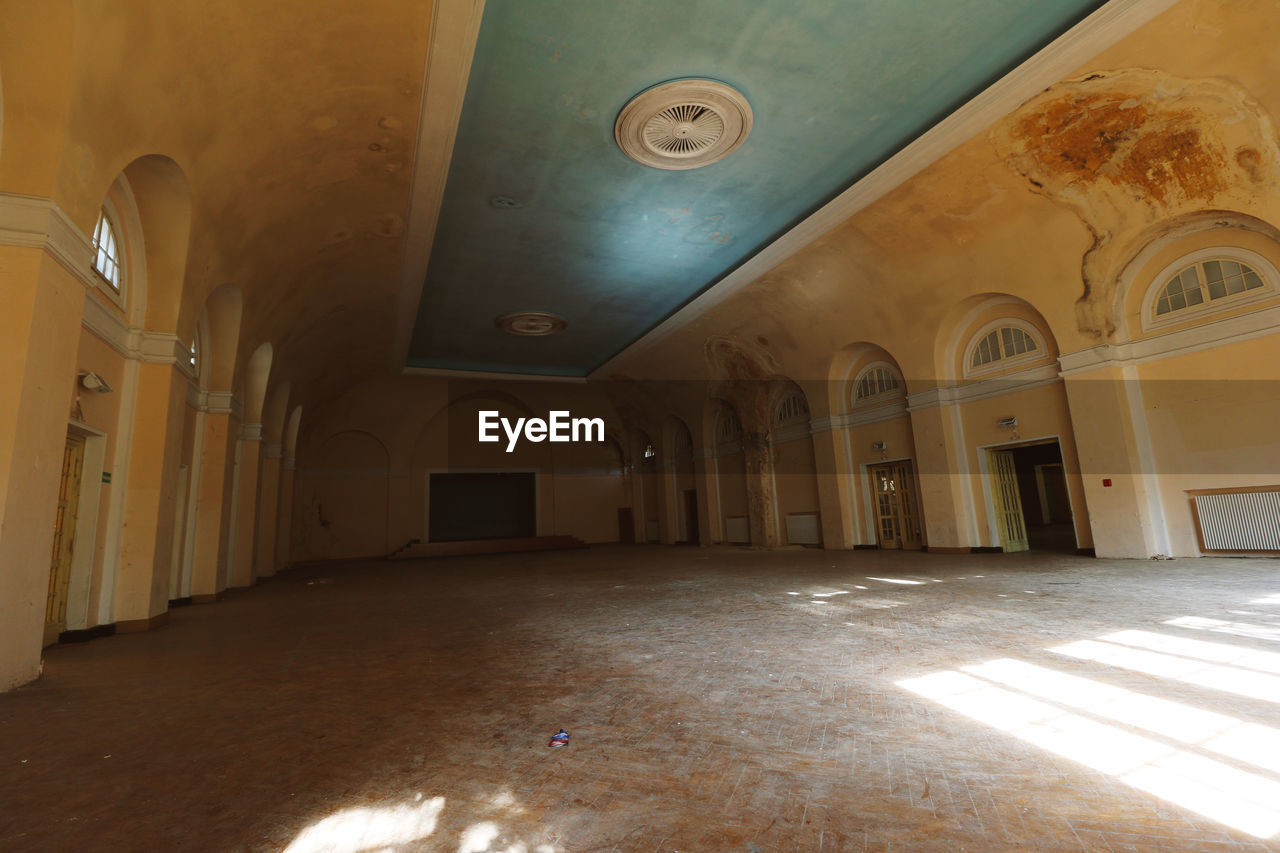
855, 425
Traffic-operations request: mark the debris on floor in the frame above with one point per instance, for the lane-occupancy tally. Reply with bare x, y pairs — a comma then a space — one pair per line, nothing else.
560, 738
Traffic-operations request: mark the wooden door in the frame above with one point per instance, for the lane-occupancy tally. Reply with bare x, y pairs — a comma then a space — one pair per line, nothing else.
64, 534
1007, 501
897, 521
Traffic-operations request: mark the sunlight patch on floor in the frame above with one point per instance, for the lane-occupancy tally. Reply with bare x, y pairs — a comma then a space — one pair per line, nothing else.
1239, 681
898, 581
354, 830
1199, 649
1228, 736
1233, 797
1240, 629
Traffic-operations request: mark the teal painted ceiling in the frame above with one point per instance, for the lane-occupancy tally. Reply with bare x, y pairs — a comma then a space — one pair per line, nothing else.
615, 247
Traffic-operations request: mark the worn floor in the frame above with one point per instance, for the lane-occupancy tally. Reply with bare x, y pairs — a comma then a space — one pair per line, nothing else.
717, 700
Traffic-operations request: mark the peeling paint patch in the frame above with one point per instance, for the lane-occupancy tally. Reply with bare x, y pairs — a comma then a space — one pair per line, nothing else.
1127, 149
1120, 139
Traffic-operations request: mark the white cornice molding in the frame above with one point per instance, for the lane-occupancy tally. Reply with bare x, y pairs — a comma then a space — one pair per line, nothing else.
455, 26
250, 432
273, 451
1097, 32
791, 432
107, 325
1213, 333
37, 222
995, 386
138, 344
862, 416
446, 373
224, 403
728, 448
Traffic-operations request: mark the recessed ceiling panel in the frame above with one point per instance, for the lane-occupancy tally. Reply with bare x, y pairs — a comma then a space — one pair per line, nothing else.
543, 212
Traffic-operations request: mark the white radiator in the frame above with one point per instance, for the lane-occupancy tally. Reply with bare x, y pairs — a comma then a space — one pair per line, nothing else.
1240, 521
804, 529
736, 530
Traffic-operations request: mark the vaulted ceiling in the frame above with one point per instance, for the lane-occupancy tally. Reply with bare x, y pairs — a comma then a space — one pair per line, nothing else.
543, 212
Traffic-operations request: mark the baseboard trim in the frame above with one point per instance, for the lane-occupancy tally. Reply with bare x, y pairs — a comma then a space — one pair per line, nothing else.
137, 626
84, 635
1086, 552
946, 549
185, 601
986, 549
866, 547
209, 598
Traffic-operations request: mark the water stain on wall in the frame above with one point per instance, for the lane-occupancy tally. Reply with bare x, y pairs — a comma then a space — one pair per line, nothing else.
1125, 149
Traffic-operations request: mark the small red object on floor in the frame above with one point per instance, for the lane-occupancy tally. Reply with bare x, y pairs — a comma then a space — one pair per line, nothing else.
560, 738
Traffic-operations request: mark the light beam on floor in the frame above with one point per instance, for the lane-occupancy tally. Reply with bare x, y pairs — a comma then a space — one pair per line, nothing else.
1199, 649
1247, 742
1242, 682
1240, 629
897, 580
1238, 799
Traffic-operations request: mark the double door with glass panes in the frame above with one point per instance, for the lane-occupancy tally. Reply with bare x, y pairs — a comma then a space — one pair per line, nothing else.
894, 494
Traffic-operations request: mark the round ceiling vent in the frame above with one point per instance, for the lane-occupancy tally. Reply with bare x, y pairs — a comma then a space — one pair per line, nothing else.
531, 323
683, 124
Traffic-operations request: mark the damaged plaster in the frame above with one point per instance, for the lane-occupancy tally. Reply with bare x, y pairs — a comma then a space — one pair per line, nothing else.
1126, 149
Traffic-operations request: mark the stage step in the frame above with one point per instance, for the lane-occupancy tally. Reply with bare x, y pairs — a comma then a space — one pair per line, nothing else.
420, 550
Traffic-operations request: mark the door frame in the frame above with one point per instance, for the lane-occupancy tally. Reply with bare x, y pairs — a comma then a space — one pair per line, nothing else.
869, 505
984, 468
85, 538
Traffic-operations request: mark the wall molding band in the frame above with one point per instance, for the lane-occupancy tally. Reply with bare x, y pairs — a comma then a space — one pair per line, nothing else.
223, 403
860, 416
39, 223
995, 386
1206, 335
250, 432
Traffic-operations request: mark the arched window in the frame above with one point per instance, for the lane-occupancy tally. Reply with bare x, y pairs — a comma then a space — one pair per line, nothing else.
106, 251
1207, 281
874, 382
1002, 346
793, 407
730, 427
683, 442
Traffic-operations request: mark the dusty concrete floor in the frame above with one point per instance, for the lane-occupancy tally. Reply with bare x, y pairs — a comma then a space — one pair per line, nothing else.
717, 699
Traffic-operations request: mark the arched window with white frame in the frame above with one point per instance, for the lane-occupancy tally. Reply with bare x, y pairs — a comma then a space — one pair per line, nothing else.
876, 383
1208, 282
106, 252
1004, 344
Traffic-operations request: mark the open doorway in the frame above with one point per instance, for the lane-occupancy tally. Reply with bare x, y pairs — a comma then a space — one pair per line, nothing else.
1030, 501
690, 506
